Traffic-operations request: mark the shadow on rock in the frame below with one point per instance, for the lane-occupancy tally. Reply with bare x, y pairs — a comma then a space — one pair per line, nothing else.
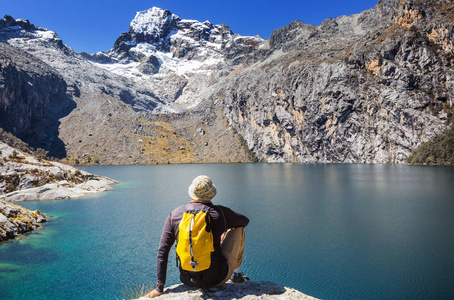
33, 98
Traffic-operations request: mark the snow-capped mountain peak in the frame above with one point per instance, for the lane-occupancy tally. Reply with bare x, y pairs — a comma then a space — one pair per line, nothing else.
160, 42
154, 22
22, 31
169, 33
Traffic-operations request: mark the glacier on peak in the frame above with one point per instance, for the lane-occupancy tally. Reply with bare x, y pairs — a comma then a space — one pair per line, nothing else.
159, 42
167, 64
152, 22
162, 28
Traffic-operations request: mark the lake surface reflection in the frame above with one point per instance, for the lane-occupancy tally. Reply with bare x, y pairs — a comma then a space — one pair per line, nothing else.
332, 231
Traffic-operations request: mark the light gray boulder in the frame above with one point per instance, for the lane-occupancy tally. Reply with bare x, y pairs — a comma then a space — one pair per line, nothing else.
246, 290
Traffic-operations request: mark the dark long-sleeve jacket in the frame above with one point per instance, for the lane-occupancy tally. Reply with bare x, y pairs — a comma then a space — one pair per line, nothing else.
223, 218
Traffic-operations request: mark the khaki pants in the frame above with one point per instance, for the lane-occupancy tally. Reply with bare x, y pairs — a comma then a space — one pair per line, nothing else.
232, 248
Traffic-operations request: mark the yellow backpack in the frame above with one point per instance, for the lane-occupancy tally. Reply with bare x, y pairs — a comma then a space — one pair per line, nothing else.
195, 240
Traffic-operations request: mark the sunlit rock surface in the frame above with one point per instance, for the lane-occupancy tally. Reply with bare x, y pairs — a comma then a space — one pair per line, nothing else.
246, 290
25, 178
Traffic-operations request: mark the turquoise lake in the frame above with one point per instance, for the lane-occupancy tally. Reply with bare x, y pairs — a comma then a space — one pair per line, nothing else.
332, 231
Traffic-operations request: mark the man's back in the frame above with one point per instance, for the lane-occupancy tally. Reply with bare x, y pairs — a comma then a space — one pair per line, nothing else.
222, 219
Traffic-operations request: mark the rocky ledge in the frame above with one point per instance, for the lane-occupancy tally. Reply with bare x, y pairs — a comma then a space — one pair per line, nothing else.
15, 220
25, 178
245, 290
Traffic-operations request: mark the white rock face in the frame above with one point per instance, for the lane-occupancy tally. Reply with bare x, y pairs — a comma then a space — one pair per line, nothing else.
24, 178
247, 291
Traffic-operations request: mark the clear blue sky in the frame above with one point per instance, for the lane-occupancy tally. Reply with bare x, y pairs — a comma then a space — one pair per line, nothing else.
94, 25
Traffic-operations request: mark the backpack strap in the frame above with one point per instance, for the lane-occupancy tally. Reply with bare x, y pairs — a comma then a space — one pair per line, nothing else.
206, 209
225, 221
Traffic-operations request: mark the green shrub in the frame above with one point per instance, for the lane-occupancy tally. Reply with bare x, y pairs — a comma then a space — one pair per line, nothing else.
438, 151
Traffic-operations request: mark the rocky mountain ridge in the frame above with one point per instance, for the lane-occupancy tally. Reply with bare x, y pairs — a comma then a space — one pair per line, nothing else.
119, 119
159, 31
369, 87
161, 46
363, 88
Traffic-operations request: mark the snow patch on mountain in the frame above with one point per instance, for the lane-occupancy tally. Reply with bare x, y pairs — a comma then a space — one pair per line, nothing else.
46, 34
16, 32
152, 21
167, 64
179, 46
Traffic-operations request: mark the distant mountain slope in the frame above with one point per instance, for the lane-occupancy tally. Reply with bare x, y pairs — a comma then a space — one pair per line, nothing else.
369, 87
366, 88
113, 117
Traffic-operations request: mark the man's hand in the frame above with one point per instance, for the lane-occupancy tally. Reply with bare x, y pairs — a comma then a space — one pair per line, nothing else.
153, 293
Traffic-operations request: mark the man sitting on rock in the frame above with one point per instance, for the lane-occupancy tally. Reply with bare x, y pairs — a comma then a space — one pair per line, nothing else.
224, 233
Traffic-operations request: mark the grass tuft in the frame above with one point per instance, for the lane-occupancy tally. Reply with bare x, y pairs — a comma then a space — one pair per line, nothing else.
136, 291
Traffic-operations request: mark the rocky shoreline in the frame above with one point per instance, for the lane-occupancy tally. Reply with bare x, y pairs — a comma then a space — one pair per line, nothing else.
246, 290
16, 220
26, 178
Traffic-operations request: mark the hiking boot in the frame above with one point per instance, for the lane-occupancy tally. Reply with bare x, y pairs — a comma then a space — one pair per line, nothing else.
238, 278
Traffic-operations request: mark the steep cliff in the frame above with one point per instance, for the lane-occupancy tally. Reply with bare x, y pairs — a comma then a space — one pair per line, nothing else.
32, 99
366, 88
